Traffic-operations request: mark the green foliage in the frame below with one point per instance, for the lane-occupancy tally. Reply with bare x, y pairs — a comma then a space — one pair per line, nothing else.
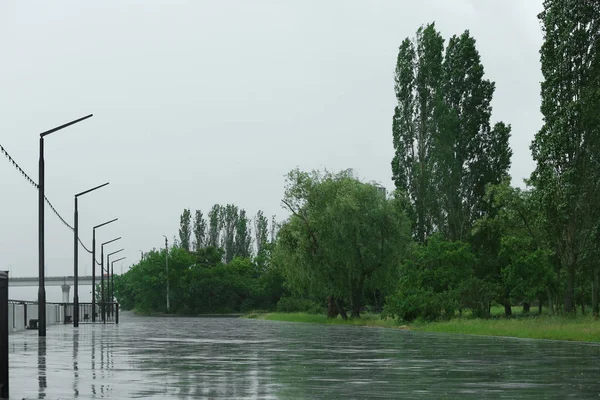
200, 233
199, 283
445, 150
417, 85
341, 232
526, 271
185, 229
261, 227
566, 147
243, 236
229, 218
433, 281
295, 304
215, 224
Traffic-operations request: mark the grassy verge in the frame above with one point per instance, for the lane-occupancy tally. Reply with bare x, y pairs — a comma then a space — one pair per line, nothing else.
580, 329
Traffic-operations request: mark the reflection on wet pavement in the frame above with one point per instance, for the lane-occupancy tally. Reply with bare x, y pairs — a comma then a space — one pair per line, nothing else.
181, 358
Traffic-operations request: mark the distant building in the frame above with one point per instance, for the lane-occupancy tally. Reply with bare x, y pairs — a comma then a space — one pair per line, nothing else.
381, 189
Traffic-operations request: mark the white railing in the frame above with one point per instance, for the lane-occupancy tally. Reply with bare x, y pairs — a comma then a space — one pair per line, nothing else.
19, 314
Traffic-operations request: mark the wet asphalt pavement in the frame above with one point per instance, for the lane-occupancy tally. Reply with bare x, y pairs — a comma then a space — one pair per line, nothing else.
185, 358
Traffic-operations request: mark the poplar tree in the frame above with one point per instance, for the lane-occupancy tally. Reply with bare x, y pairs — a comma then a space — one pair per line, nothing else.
185, 230
566, 147
199, 231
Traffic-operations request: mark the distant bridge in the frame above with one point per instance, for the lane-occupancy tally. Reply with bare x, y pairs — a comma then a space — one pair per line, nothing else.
52, 281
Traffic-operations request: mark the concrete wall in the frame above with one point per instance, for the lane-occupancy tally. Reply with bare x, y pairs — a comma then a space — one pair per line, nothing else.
16, 315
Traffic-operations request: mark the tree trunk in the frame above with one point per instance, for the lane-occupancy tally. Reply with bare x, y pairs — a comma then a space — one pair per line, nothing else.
526, 307
340, 306
357, 296
550, 303
507, 309
540, 308
596, 293
570, 293
332, 310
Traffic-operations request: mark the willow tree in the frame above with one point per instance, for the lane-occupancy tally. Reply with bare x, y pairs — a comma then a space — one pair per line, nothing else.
341, 233
566, 147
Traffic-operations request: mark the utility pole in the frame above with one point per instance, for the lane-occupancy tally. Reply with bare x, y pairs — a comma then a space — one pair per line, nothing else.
167, 263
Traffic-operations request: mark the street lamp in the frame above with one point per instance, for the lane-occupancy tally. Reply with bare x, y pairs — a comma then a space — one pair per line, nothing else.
41, 239
108, 273
167, 264
94, 266
76, 256
102, 275
112, 274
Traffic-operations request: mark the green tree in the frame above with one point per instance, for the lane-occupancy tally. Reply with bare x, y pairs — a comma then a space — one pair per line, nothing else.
565, 148
469, 154
199, 231
434, 280
446, 153
274, 228
229, 216
144, 286
417, 85
512, 244
341, 232
261, 231
215, 224
243, 236
185, 229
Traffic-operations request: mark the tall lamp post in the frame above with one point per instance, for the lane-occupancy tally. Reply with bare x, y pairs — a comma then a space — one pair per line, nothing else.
112, 275
103, 306
94, 266
167, 264
76, 256
108, 264
41, 239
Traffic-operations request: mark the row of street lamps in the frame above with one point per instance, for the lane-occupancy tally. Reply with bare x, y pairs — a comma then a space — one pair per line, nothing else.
41, 247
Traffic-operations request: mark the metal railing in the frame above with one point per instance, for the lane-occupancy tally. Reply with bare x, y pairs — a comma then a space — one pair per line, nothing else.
109, 316
23, 314
3, 334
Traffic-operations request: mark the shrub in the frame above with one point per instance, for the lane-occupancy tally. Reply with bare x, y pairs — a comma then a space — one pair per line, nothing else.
294, 304
432, 281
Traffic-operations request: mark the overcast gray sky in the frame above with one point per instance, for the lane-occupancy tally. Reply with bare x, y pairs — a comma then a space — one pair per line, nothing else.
204, 102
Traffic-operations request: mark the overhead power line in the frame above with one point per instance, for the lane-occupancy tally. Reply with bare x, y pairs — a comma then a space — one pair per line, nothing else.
32, 182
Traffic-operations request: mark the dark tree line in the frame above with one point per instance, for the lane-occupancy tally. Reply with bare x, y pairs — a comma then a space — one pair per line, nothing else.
228, 228
221, 272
